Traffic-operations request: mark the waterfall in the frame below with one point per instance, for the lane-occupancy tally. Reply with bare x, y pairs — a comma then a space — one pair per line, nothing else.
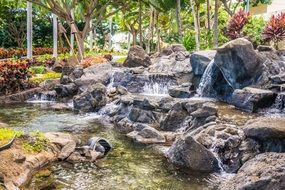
156, 89
204, 88
41, 98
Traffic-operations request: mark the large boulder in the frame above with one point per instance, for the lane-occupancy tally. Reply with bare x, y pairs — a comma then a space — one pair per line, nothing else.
265, 128
91, 100
236, 65
189, 154
137, 57
99, 73
265, 171
240, 64
251, 99
200, 60
173, 59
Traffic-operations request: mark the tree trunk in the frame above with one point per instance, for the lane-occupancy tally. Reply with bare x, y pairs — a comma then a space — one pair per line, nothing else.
208, 16
72, 35
179, 24
54, 24
140, 23
129, 41
151, 27
29, 31
195, 25
215, 27
134, 33
91, 36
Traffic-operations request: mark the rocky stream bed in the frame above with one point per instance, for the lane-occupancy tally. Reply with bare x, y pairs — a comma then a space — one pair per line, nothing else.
216, 116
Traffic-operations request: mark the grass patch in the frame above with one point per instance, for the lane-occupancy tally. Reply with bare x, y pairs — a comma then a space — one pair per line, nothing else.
37, 69
7, 134
38, 143
42, 77
121, 60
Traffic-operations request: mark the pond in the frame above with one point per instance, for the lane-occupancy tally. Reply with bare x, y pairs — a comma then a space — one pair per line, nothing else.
128, 166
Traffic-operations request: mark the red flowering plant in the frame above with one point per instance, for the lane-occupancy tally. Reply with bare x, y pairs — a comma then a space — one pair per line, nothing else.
236, 24
275, 28
14, 76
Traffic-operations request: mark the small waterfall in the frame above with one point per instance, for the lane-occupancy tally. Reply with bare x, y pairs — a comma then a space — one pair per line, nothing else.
41, 98
156, 89
204, 88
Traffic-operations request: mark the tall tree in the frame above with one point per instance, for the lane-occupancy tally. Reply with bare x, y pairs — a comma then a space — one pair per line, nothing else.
208, 15
215, 28
29, 31
196, 25
178, 12
86, 9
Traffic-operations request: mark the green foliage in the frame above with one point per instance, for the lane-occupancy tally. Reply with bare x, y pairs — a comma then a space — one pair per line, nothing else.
256, 2
37, 69
7, 134
253, 29
188, 41
121, 60
37, 145
49, 75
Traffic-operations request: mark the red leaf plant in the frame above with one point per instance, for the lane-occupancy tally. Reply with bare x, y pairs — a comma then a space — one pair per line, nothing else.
275, 28
235, 25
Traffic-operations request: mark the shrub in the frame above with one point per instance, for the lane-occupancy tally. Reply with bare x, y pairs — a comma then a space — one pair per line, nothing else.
40, 78
7, 134
14, 76
275, 29
38, 143
253, 29
236, 24
37, 69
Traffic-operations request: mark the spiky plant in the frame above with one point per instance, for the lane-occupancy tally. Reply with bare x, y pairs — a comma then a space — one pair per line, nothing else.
275, 29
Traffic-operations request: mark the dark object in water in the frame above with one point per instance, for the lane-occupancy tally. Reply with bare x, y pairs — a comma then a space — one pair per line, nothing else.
8, 145
100, 145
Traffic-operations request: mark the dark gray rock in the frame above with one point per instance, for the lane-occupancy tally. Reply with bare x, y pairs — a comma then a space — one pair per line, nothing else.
200, 60
65, 79
142, 116
261, 48
265, 171
66, 90
99, 73
265, 128
278, 79
147, 135
180, 92
91, 100
175, 118
240, 64
137, 57
251, 99
188, 153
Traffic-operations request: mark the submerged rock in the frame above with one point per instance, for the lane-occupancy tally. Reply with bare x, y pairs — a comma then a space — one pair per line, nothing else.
147, 135
188, 153
180, 92
137, 57
265, 171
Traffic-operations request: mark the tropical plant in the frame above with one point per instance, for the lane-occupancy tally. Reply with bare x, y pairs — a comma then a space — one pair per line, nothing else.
236, 24
14, 76
275, 29
253, 29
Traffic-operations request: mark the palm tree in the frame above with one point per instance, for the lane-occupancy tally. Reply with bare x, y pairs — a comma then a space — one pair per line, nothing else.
196, 26
215, 28
179, 24
29, 31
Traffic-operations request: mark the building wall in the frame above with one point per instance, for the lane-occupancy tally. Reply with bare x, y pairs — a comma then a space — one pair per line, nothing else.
267, 10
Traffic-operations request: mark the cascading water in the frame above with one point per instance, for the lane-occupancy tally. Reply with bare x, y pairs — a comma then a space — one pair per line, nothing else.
156, 89
204, 88
157, 85
41, 98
